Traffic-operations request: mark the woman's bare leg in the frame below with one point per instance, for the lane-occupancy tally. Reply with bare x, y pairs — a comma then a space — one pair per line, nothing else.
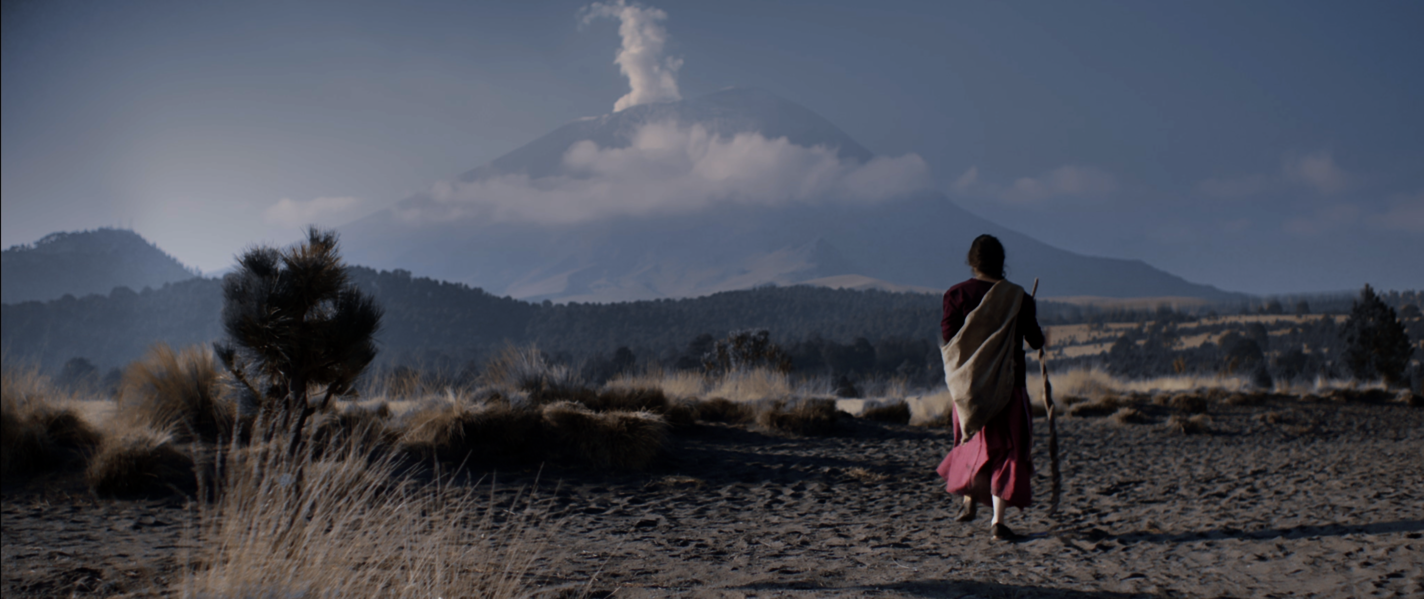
969, 511
1000, 530
999, 506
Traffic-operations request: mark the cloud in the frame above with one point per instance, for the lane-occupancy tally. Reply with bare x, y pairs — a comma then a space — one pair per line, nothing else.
1404, 212
1064, 181
652, 77
1322, 221
291, 213
671, 168
1239, 187
1317, 170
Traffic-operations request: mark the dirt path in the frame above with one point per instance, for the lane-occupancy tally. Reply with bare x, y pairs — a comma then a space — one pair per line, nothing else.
1284, 499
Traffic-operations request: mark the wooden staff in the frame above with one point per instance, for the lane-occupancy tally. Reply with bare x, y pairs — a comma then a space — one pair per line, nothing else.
1052, 428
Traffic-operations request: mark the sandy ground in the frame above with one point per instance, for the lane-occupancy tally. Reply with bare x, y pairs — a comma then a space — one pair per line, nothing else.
1282, 499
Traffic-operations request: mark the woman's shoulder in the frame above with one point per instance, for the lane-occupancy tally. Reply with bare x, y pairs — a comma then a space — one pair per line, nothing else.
972, 285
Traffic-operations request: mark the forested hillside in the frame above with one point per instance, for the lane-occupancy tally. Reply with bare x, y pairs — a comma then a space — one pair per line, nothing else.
85, 262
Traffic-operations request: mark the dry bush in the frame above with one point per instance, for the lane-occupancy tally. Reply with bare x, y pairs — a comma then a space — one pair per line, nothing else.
620, 440
629, 399
178, 392
139, 461
1125, 416
897, 412
1410, 398
721, 409
1198, 424
36, 433
345, 525
807, 416
366, 425
1273, 417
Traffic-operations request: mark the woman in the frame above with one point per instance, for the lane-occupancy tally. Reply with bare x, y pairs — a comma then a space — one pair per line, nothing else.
986, 321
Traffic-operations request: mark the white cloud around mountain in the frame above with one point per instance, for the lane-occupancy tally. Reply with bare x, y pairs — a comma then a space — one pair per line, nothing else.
671, 168
321, 211
1316, 170
1068, 181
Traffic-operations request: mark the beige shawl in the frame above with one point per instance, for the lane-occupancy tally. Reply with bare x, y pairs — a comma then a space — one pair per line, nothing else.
979, 360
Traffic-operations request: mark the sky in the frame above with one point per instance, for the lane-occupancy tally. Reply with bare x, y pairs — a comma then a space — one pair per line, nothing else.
1264, 147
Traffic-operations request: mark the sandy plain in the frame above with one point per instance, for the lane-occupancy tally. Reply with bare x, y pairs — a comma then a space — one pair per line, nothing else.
1286, 497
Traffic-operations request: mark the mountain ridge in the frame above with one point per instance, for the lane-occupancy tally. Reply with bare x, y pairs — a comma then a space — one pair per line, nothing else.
85, 262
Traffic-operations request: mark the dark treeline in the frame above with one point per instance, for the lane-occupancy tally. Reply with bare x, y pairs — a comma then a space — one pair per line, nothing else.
452, 328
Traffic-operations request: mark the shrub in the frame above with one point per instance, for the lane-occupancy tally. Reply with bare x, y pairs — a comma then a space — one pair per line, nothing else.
1187, 403
488, 434
177, 392
746, 350
898, 413
801, 417
294, 321
1376, 344
527, 369
140, 462
1103, 406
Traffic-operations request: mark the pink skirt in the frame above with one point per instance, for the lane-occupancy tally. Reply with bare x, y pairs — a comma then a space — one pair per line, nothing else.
997, 461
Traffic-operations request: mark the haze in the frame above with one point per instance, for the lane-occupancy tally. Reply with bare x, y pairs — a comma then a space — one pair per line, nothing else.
1261, 147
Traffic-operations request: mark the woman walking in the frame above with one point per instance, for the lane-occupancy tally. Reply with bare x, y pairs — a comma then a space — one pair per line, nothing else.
986, 321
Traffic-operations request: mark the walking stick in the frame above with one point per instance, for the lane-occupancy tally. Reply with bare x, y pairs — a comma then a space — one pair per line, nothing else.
1052, 429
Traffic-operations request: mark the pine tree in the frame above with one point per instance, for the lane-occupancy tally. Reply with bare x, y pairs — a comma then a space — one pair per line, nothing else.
295, 322
1375, 342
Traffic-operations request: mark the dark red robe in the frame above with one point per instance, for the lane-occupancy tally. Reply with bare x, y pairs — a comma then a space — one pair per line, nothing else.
997, 461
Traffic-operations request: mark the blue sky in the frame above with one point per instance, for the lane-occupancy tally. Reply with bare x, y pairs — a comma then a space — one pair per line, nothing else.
1266, 147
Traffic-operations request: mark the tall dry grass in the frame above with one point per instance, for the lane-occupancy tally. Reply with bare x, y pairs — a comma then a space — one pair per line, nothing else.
180, 393
39, 430
337, 522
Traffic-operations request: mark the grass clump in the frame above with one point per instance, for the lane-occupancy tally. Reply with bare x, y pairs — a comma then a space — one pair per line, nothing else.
1190, 425
1103, 406
1186, 403
35, 433
178, 392
721, 409
897, 412
1125, 416
616, 440
140, 462
335, 523
494, 433
806, 416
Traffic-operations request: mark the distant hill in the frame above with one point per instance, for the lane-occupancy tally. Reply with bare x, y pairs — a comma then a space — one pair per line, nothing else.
84, 263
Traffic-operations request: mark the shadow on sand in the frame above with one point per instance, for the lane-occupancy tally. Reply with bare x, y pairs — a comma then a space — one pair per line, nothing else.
1413, 527
946, 588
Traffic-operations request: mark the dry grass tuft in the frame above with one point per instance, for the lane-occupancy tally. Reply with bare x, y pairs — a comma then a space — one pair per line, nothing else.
1248, 398
1409, 398
681, 414
344, 525
180, 392
488, 434
867, 476
721, 409
1103, 406
35, 433
618, 440
684, 384
897, 412
1198, 424
1125, 416
629, 399
526, 369
1273, 417
140, 462
1186, 403
807, 416
753, 385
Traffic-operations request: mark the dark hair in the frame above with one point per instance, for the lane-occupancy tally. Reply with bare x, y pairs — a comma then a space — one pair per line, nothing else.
986, 255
